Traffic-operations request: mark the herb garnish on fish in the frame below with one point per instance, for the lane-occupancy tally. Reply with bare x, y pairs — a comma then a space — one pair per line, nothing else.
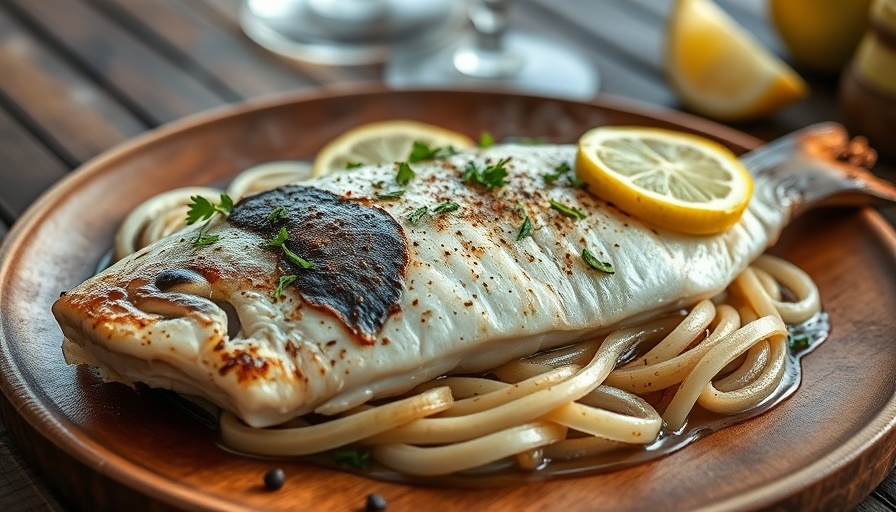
423, 151
280, 241
202, 209
526, 227
279, 213
490, 176
418, 214
282, 284
568, 210
395, 193
595, 263
405, 174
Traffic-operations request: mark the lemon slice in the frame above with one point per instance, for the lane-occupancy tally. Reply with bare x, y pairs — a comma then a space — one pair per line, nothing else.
675, 180
383, 142
720, 70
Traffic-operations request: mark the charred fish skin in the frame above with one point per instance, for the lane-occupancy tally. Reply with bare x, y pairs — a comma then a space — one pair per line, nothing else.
459, 293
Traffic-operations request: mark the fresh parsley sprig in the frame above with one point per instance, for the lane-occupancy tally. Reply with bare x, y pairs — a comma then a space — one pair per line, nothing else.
422, 151
405, 174
201, 209
490, 176
279, 241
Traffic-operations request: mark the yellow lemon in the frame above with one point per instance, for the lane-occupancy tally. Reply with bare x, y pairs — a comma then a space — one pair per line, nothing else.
822, 34
383, 142
675, 180
720, 70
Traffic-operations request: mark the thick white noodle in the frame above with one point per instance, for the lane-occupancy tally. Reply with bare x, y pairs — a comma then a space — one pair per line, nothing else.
664, 373
716, 359
697, 321
443, 460
268, 176
334, 433
796, 280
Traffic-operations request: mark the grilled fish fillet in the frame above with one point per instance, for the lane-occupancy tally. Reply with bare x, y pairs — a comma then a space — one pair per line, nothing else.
391, 303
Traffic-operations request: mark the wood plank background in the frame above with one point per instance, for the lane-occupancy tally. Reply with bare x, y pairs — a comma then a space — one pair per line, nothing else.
79, 76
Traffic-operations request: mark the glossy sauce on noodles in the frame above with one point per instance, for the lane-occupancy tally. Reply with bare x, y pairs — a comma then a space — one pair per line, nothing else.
802, 340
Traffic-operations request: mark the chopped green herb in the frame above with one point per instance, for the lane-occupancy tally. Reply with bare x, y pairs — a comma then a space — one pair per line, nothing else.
279, 213
567, 210
405, 174
560, 170
526, 227
204, 239
422, 151
293, 257
575, 182
415, 216
490, 176
450, 206
202, 209
798, 342
564, 169
392, 194
596, 264
352, 165
550, 177
280, 241
358, 459
486, 140
283, 283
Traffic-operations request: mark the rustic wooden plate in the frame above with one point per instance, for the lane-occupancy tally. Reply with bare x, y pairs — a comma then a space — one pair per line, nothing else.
105, 446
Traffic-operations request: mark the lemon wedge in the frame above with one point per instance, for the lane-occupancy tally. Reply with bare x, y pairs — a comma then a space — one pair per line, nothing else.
720, 70
821, 34
672, 179
383, 142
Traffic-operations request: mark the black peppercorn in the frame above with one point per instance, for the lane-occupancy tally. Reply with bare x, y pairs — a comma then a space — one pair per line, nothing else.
274, 479
375, 503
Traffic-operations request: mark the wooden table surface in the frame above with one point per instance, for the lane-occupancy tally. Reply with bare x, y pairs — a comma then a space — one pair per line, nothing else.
78, 77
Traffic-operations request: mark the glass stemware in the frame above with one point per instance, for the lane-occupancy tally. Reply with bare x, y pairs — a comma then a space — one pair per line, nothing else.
349, 32
493, 54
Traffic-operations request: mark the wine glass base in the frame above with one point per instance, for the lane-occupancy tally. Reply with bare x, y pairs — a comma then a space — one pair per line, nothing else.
547, 68
348, 33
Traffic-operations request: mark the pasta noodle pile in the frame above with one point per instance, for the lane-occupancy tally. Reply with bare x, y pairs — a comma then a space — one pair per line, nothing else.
726, 355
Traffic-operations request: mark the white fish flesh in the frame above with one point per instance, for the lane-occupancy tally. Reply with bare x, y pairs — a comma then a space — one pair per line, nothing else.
391, 303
